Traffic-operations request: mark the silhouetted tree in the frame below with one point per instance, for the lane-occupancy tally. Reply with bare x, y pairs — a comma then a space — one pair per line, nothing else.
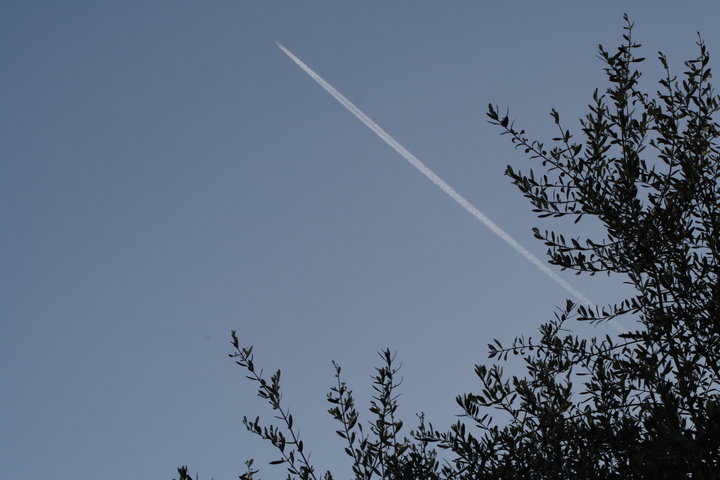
644, 405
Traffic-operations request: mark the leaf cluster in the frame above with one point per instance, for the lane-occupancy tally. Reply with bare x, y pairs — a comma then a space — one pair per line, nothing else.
376, 451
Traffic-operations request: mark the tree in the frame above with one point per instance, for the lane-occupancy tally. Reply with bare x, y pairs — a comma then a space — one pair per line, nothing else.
645, 405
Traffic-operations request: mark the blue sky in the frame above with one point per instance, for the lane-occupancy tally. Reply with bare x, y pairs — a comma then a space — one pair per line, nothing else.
168, 175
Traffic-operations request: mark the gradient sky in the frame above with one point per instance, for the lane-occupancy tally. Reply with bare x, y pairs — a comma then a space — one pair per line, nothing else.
168, 175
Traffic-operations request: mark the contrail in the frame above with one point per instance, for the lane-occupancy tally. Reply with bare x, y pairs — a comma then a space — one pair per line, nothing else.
432, 176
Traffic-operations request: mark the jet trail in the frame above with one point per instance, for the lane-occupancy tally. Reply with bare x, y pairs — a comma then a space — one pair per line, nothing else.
432, 176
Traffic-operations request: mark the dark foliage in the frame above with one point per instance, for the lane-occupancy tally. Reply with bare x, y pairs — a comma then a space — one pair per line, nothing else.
644, 405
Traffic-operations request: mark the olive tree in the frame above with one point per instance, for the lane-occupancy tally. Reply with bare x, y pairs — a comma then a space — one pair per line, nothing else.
642, 405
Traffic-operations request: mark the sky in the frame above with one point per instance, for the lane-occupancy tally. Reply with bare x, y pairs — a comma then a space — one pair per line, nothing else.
168, 174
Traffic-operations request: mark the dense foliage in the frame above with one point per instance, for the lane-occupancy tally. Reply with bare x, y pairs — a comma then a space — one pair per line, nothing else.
644, 405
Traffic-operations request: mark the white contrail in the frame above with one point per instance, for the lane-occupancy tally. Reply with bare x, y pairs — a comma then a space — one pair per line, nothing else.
440, 182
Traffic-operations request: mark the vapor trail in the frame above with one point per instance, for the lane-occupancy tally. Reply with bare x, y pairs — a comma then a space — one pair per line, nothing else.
432, 176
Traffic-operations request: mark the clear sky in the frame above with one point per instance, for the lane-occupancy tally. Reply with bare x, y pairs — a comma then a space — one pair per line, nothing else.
168, 174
